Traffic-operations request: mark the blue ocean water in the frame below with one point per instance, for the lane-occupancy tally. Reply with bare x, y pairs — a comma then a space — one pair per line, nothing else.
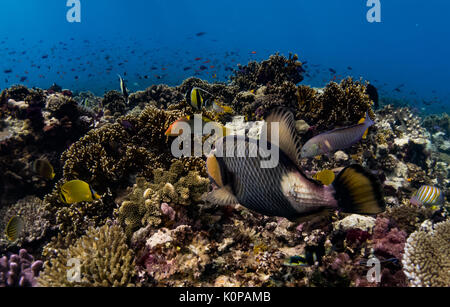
161, 41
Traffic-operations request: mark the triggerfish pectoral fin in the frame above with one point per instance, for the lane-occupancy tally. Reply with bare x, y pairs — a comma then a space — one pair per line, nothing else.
223, 196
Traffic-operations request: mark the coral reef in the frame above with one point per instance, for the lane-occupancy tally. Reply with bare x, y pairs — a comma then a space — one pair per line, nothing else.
19, 270
36, 226
151, 227
111, 154
337, 104
175, 187
115, 103
103, 257
426, 260
274, 71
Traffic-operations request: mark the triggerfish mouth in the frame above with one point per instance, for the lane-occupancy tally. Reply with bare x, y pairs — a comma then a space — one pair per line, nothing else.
284, 190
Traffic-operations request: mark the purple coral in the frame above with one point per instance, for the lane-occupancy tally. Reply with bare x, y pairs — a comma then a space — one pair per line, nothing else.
19, 270
357, 235
168, 211
388, 242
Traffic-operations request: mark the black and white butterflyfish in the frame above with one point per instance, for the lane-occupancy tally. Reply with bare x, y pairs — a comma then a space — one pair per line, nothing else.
123, 89
285, 190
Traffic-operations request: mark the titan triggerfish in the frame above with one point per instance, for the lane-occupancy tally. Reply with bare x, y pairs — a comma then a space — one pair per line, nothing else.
285, 190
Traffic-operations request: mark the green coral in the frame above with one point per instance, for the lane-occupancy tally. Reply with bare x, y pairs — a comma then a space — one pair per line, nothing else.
104, 257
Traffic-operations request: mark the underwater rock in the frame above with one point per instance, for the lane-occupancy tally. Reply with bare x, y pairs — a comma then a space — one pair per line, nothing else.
340, 156
301, 126
355, 221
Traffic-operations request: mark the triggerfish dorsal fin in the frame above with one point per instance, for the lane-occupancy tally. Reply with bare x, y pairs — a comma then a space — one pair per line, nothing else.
288, 140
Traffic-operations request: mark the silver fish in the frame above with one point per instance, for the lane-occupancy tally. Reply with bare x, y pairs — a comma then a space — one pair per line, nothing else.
336, 139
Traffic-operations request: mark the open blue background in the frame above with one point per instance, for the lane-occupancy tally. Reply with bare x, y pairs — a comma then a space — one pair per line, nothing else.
156, 39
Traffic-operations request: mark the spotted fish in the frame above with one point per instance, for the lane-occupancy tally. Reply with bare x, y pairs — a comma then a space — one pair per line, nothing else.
285, 190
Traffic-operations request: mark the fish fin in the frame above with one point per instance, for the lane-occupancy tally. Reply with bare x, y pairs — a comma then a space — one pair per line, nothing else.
288, 139
215, 171
365, 134
223, 196
358, 191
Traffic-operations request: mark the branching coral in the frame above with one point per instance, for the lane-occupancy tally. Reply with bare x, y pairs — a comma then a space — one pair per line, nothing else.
115, 103
337, 104
274, 71
103, 257
36, 226
108, 156
426, 260
19, 270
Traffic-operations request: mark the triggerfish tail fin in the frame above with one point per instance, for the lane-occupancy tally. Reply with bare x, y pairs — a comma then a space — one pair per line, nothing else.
288, 140
358, 191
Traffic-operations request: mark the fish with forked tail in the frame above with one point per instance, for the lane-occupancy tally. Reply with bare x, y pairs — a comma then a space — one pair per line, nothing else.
284, 190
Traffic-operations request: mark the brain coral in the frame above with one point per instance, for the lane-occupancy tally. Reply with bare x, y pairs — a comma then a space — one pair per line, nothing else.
104, 258
426, 261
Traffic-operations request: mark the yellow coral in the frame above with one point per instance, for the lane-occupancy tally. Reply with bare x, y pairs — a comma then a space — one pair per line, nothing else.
103, 257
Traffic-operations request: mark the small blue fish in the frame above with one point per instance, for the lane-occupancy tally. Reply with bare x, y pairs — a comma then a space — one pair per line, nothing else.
336, 139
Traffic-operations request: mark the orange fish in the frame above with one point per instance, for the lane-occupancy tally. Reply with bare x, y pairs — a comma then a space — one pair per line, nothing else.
253, 52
